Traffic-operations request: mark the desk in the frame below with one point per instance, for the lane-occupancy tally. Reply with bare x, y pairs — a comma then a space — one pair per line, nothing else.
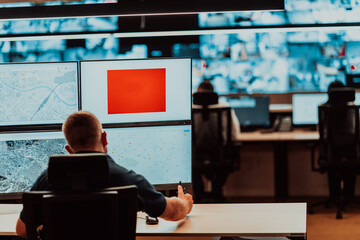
280, 140
251, 220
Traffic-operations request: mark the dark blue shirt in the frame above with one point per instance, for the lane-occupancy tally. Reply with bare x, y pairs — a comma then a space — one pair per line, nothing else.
150, 201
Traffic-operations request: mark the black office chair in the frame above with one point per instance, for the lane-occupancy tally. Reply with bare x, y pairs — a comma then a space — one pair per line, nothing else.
339, 154
214, 153
79, 208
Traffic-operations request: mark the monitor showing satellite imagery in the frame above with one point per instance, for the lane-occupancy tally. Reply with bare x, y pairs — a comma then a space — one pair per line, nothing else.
23, 156
37, 93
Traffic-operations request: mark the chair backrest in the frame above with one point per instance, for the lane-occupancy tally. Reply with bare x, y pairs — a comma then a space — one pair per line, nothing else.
205, 99
339, 133
101, 214
78, 171
211, 137
78, 208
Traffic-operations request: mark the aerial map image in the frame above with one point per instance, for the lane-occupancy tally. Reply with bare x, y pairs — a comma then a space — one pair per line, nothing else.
38, 93
23, 156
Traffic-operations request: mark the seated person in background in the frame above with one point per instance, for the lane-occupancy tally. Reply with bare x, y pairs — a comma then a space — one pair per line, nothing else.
206, 86
83, 133
333, 178
216, 172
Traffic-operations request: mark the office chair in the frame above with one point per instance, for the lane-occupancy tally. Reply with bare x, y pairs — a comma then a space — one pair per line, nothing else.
79, 208
339, 154
214, 154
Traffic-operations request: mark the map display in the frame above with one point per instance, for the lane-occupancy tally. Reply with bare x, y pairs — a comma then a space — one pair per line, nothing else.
37, 93
23, 156
161, 154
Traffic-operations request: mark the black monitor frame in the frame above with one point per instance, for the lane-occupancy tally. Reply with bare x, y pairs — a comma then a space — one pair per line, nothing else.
138, 8
39, 127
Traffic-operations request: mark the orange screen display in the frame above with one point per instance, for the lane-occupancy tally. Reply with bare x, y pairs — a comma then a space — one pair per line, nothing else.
136, 91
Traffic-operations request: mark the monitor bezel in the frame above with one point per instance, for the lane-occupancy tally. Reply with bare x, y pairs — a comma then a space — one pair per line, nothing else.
137, 59
42, 126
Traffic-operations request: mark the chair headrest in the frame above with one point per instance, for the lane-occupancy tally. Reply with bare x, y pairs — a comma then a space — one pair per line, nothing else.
341, 95
78, 171
205, 98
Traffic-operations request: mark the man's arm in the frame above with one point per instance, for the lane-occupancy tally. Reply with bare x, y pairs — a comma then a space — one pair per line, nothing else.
20, 228
178, 207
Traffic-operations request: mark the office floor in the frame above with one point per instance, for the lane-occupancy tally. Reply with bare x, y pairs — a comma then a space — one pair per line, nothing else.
323, 224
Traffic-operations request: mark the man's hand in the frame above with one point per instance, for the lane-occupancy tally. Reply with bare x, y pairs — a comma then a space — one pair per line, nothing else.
187, 197
178, 207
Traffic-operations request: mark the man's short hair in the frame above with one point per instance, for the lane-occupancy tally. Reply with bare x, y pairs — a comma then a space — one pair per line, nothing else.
82, 130
206, 86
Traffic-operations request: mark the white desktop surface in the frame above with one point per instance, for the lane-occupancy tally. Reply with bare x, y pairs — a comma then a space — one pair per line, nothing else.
9, 214
255, 220
271, 219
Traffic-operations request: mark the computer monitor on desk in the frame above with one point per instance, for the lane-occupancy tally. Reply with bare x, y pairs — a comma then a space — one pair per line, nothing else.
160, 153
137, 90
37, 94
305, 107
251, 111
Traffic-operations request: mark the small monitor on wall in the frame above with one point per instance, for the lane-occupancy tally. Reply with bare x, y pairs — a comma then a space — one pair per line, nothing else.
141, 90
37, 93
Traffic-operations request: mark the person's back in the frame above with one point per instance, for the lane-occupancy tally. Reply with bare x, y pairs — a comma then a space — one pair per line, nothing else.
83, 133
207, 87
337, 128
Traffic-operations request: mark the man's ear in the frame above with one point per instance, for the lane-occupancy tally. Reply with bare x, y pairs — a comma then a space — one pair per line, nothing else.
104, 139
68, 148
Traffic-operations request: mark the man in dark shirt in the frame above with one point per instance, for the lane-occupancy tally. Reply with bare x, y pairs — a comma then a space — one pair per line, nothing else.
83, 133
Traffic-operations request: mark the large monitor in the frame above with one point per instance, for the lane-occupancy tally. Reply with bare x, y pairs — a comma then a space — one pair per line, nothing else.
251, 111
141, 90
162, 154
37, 93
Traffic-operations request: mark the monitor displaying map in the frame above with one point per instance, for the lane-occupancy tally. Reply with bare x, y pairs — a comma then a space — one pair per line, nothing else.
37, 93
24, 156
161, 154
137, 90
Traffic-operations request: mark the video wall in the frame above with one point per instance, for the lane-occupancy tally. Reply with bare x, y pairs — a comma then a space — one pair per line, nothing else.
301, 49
152, 129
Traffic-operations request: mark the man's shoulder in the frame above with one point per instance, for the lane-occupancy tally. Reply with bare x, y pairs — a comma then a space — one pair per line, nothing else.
41, 183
